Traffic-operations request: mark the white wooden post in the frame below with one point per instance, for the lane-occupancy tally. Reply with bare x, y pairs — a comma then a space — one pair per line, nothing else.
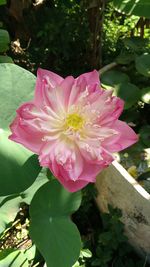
116, 187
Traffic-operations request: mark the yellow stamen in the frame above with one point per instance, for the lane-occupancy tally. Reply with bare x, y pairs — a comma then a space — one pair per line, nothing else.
74, 121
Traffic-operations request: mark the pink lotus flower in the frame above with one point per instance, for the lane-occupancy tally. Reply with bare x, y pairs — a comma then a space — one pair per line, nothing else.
72, 124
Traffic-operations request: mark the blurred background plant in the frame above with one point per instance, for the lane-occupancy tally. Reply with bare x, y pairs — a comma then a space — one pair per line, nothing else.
71, 37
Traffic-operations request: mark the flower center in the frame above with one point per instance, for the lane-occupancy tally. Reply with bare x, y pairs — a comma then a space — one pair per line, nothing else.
74, 121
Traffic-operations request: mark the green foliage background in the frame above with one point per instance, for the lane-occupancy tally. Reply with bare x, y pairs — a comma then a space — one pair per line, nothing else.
69, 37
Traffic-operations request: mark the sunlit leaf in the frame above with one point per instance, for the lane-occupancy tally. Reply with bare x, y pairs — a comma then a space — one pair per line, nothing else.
18, 166
145, 95
142, 64
9, 206
28, 194
130, 93
16, 87
4, 40
136, 44
5, 59
30, 253
86, 253
52, 230
139, 8
125, 58
13, 258
114, 77
145, 135
122, 87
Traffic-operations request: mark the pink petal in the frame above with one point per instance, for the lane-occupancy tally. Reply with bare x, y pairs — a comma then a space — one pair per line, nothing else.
68, 165
88, 81
90, 77
125, 138
65, 158
69, 160
74, 156
75, 174
45, 80
111, 111
88, 175
54, 78
73, 186
94, 153
29, 111
109, 107
64, 90
78, 87
90, 172
26, 135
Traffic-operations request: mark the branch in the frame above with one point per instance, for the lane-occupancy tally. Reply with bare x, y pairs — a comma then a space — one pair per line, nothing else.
108, 67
